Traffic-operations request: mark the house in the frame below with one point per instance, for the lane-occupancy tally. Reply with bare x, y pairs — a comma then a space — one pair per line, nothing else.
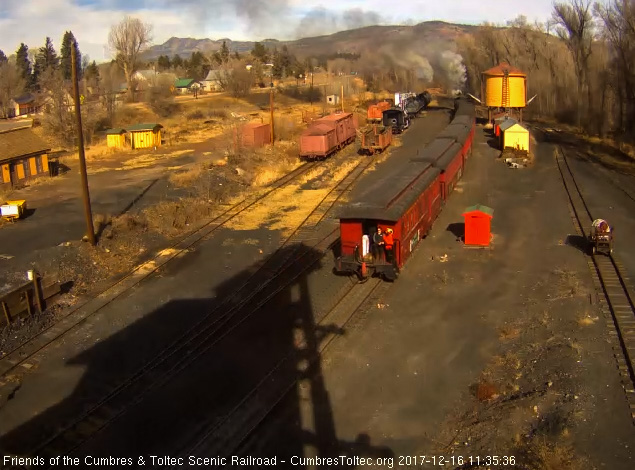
145, 135
211, 82
23, 155
116, 138
185, 85
23, 105
145, 75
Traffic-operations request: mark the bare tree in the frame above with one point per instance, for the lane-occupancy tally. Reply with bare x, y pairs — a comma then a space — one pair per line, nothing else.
618, 19
574, 25
128, 38
234, 78
11, 85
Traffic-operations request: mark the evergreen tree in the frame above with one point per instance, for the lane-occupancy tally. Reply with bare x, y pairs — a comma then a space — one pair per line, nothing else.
91, 74
177, 61
67, 42
45, 58
260, 52
224, 53
163, 62
23, 64
3, 58
278, 68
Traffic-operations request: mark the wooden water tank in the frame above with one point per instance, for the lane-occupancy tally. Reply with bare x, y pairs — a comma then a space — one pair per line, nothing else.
504, 86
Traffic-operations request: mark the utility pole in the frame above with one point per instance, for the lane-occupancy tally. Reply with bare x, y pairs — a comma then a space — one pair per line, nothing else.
342, 98
80, 143
271, 115
311, 93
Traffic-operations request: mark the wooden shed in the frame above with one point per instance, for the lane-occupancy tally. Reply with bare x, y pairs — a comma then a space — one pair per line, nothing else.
145, 135
514, 135
23, 155
116, 138
256, 134
477, 225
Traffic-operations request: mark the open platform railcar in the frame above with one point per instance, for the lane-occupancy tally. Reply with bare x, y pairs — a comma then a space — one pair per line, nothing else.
407, 200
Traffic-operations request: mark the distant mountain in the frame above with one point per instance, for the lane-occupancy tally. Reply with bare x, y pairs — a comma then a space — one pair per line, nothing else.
439, 33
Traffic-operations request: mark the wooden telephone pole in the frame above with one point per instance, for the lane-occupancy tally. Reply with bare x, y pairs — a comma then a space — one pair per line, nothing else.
80, 144
271, 114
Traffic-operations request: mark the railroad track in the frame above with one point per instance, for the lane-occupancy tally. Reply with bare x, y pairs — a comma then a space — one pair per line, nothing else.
225, 436
611, 281
25, 352
304, 247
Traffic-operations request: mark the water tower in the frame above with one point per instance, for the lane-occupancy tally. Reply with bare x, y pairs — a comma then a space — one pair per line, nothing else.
504, 91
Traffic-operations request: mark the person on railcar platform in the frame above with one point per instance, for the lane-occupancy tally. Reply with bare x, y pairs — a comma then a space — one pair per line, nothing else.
378, 245
389, 242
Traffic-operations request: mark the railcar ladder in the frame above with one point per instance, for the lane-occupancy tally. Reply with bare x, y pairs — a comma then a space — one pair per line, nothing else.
505, 100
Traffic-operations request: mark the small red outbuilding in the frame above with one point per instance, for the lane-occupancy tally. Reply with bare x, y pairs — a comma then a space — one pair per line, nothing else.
477, 225
256, 134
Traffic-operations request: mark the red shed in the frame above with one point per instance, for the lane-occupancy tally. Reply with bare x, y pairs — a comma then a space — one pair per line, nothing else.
477, 225
256, 134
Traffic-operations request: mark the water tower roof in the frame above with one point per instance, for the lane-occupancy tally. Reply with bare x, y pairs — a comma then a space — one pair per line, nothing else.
504, 68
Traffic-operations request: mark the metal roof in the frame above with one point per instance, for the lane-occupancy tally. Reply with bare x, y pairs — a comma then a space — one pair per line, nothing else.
504, 68
183, 82
480, 208
115, 131
144, 127
389, 198
434, 150
507, 124
443, 162
21, 143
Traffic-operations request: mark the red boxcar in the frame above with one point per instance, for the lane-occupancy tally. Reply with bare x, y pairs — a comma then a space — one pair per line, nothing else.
318, 141
375, 111
327, 135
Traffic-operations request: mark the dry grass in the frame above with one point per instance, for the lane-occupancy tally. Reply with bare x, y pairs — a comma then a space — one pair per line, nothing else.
187, 177
508, 332
171, 218
568, 284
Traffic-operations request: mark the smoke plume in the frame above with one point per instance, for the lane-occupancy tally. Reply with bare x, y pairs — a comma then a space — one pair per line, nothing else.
454, 68
321, 21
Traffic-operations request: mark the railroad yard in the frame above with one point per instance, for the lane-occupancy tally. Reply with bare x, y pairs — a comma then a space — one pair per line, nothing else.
236, 337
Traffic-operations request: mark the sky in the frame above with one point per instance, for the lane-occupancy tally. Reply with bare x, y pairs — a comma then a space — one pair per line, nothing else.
31, 21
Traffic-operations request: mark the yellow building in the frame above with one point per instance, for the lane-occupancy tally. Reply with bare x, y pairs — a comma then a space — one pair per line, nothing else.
116, 138
514, 135
504, 86
23, 155
145, 135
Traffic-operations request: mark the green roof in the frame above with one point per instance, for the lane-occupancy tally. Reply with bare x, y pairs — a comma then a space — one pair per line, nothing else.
183, 82
480, 208
115, 131
144, 127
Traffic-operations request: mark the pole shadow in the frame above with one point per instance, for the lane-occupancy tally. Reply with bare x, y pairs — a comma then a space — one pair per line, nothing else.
246, 357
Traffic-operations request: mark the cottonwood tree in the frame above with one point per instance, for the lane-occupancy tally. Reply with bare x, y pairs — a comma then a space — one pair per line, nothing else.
12, 84
618, 28
128, 39
234, 78
574, 23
